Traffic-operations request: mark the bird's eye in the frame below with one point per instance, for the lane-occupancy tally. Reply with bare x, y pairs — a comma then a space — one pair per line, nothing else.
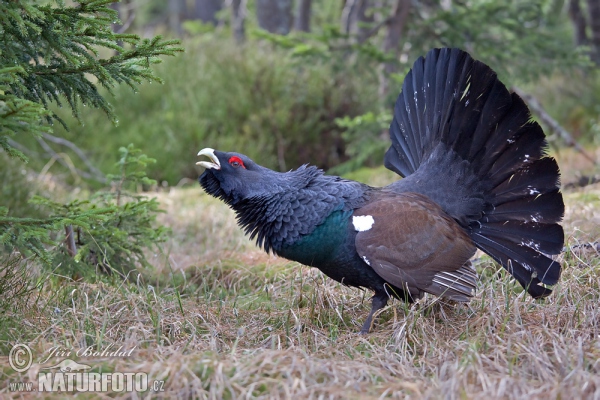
236, 162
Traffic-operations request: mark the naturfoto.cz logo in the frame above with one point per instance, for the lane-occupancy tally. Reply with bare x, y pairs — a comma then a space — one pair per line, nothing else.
71, 376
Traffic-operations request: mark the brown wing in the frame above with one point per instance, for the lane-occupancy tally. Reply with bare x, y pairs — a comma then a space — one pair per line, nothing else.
412, 243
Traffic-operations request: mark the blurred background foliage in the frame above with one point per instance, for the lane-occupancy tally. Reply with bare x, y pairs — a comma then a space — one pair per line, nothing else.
289, 82
253, 99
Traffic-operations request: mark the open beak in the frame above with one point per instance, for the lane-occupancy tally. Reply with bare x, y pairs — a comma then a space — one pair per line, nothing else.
210, 153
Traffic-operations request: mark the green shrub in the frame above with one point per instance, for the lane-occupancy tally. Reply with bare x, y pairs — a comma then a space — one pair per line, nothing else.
18, 186
110, 231
114, 228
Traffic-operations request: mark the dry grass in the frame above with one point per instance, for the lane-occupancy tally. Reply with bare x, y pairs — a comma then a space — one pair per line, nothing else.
221, 319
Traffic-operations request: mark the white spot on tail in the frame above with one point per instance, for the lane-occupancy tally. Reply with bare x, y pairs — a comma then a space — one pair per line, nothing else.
367, 261
531, 244
362, 222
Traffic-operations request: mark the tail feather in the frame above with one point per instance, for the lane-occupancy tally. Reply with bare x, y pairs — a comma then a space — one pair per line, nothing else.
537, 208
417, 121
497, 105
545, 238
460, 138
527, 148
507, 131
523, 275
531, 267
408, 145
471, 94
532, 180
432, 117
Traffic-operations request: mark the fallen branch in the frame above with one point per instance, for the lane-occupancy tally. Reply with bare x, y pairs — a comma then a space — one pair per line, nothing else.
590, 245
76, 150
48, 151
96, 174
551, 123
582, 182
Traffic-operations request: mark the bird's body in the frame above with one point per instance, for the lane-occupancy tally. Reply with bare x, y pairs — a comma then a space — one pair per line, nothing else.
475, 176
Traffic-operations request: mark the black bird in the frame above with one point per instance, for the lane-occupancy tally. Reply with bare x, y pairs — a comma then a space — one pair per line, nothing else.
475, 175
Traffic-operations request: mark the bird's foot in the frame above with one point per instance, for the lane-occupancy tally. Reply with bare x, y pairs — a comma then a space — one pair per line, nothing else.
377, 303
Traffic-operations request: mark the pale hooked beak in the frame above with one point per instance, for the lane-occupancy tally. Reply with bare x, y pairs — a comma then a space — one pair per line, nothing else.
210, 153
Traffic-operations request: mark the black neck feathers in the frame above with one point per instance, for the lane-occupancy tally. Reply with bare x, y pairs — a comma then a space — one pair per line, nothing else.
288, 205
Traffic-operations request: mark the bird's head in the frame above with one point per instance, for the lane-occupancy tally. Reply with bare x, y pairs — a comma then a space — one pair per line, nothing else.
233, 177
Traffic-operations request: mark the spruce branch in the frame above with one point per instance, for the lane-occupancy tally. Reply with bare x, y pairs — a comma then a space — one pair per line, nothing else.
53, 54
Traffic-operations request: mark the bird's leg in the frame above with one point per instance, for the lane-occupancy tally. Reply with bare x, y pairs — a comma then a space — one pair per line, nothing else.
377, 303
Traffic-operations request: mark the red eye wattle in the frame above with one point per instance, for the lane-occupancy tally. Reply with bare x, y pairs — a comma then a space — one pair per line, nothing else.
236, 162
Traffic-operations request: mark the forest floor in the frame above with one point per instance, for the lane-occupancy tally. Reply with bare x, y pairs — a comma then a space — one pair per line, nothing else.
218, 318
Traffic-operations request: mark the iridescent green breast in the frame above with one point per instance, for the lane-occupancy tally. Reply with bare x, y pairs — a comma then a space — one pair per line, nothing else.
323, 244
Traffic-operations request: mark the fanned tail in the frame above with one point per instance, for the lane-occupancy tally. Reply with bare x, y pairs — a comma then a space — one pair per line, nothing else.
460, 138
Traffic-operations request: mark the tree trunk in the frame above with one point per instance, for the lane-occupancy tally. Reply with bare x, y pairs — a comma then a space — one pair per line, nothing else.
579, 24
594, 11
355, 19
206, 10
238, 16
275, 16
391, 42
302, 20
126, 13
348, 10
176, 12
117, 7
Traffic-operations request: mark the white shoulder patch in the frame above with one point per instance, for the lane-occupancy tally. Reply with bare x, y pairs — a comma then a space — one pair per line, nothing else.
362, 222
